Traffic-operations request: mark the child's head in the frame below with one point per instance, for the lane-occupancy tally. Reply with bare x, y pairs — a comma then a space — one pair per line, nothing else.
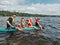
30, 20
13, 16
22, 20
37, 19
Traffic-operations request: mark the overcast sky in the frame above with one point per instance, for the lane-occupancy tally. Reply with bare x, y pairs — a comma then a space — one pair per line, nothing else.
32, 6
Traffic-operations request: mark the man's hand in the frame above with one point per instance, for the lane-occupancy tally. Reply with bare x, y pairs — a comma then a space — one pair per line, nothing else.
11, 26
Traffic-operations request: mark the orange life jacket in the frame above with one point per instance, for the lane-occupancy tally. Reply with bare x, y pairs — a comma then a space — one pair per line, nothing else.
30, 24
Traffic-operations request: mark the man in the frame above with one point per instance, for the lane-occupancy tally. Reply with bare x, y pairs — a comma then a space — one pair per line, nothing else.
11, 21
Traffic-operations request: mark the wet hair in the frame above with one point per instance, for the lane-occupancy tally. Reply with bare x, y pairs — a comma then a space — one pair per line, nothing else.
37, 18
22, 18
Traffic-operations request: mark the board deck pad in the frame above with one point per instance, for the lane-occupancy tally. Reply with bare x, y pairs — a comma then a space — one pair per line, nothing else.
2, 29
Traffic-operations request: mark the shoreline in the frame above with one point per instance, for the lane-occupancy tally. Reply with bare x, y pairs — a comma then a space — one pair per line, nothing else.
8, 13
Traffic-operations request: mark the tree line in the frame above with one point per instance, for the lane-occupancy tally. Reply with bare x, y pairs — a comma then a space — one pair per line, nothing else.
8, 13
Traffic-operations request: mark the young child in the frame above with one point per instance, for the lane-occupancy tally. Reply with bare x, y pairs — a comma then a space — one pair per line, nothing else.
22, 23
37, 23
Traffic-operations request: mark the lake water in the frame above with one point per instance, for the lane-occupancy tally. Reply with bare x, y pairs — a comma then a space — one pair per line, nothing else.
49, 36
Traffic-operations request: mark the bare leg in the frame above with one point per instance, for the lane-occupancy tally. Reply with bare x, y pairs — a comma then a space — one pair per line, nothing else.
20, 30
19, 26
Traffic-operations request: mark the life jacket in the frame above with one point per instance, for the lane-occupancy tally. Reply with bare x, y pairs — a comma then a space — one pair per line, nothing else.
23, 24
12, 22
37, 24
30, 24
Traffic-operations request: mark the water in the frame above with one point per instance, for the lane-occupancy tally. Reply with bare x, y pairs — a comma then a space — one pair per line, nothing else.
49, 36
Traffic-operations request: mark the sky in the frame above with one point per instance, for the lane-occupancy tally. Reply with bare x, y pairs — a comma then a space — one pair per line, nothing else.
49, 7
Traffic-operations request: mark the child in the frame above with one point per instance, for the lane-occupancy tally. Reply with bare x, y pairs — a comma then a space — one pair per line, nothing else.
22, 23
37, 23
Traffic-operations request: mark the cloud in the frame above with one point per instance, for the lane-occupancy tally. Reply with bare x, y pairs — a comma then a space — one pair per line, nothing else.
16, 5
43, 9
46, 8
11, 2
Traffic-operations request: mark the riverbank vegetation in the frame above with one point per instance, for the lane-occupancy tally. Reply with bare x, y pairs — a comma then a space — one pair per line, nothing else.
8, 13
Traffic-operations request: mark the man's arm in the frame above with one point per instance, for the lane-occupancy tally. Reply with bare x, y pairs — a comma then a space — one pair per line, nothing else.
40, 26
9, 23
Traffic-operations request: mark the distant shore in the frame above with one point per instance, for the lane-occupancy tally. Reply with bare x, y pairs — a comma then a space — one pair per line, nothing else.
8, 13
